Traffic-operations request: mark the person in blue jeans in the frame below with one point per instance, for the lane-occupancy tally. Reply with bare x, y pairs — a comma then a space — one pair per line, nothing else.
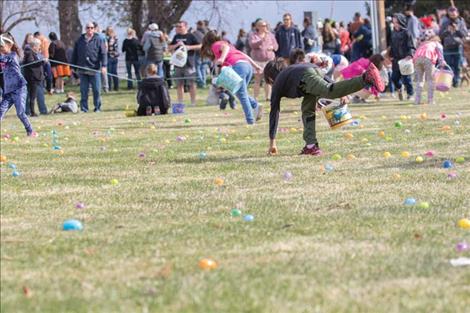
401, 47
224, 54
113, 54
90, 54
452, 41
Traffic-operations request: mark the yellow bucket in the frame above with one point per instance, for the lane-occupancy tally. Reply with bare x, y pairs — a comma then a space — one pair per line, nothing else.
336, 114
443, 79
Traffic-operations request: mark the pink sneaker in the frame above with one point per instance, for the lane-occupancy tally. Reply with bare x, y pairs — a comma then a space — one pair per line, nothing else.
315, 150
373, 78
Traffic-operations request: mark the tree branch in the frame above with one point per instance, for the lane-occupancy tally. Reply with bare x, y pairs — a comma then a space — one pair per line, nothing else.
18, 21
20, 13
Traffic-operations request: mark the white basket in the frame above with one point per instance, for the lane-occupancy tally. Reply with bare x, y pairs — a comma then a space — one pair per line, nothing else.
406, 66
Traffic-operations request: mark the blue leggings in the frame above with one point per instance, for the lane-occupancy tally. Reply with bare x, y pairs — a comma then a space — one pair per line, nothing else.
17, 98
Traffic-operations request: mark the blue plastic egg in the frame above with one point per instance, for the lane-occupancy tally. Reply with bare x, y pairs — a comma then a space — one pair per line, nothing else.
447, 164
11, 165
202, 155
410, 201
72, 225
15, 174
248, 218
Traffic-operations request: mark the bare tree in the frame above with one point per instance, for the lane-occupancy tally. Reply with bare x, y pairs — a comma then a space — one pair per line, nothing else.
166, 12
13, 13
69, 21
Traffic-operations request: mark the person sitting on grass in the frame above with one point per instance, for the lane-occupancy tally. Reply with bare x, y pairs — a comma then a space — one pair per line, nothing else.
305, 80
153, 96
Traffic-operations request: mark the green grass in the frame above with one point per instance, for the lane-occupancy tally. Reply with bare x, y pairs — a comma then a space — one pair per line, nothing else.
339, 241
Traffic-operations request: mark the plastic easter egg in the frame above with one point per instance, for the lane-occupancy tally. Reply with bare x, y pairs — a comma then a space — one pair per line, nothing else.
396, 176
419, 159
72, 225
423, 116
56, 148
460, 160
15, 174
3, 158
446, 128
348, 136
410, 201
403, 117
387, 154
248, 218
141, 155
351, 157
16, 139
329, 167
180, 138
405, 154
462, 246
235, 212
12, 166
457, 123
187, 121
336, 157
447, 164
202, 155
443, 116
79, 205
219, 181
364, 140
407, 131
114, 181
381, 134
430, 153
452, 175
288, 176
464, 223
207, 264
398, 124
423, 205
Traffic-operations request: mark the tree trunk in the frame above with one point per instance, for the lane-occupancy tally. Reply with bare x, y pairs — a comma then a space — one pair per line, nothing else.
69, 21
166, 12
136, 16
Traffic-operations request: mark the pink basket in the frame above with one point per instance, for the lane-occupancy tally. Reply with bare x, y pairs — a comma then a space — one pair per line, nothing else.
443, 79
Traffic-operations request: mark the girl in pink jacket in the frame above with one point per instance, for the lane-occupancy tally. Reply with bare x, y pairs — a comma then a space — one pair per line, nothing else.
428, 54
358, 67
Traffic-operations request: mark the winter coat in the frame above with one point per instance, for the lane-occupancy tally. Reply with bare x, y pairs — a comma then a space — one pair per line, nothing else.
288, 39
401, 41
310, 37
12, 78
90, 54
33, 72
154, 46
57, 52
154, 93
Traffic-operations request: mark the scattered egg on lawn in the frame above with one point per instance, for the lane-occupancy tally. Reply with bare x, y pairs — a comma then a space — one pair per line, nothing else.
423, 205
405, 154
410, 201
114, 181
464, 223
248, 218
219, 181
336, 157
72, 225
419, 159
387, 154
447, 164
235, 212
460, 160
207, 264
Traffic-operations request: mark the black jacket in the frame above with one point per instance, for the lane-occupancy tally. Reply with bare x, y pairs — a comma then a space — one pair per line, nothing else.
401, 41
57, 52
33, 72
90, 54
154, 93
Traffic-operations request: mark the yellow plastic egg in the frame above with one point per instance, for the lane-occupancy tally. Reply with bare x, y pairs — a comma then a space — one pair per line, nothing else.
419, 159
464, 223
351, 157
348, 136
405, 154
387, 154
219, 181
207, 264
381, 134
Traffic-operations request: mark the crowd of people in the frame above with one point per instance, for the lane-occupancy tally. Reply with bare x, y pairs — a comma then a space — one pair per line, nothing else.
339, 51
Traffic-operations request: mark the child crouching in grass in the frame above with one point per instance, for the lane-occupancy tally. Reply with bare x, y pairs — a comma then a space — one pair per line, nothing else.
305, 80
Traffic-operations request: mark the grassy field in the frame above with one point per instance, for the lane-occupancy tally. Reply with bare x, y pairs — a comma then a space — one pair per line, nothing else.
323, 241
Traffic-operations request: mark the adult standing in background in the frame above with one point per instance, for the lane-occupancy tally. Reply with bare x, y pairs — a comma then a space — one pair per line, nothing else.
113, 55
263, 47
345, 39
412, 24
34, 75
90, 53
188, 71
44, 50
356, 23
288, 37
57, 52
154, 46
102, 37
330, 38
362, 46
241, 42
309, 35
201, 64
453, 32
131, 47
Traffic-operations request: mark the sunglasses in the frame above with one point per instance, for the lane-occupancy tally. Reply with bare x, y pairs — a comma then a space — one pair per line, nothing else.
90, 27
